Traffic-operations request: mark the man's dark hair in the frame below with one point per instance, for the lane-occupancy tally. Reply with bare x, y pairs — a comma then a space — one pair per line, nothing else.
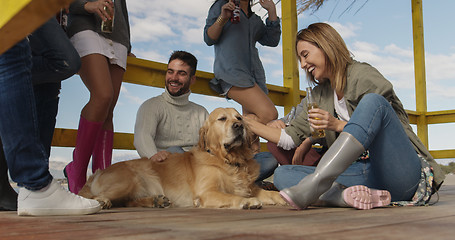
187, 58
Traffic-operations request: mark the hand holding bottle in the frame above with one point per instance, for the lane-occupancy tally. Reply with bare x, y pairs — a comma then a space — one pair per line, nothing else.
103, 8
316, 131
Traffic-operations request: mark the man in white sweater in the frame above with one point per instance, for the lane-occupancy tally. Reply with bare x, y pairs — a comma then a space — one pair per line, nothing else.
170, 122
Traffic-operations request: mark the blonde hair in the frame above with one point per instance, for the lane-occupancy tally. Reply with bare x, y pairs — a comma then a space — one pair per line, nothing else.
337, 55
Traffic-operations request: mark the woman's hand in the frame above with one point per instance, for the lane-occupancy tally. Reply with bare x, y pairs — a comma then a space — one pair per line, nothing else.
321, 119
301, 151
269, 5
98, 8
276, 124
269, 133
226, 10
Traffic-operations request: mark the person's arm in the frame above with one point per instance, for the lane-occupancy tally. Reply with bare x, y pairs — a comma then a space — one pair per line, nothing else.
214, 31
271, 134
269, 5
145, 130
270, 32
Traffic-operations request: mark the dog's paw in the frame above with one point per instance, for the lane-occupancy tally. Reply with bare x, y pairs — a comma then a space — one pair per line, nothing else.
161, 201
271, 198
104, 202
250, 203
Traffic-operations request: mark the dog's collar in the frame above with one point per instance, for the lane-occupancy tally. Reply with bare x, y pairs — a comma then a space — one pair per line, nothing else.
227, 162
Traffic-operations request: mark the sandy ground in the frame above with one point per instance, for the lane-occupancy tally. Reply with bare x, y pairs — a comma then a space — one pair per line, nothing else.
450, 179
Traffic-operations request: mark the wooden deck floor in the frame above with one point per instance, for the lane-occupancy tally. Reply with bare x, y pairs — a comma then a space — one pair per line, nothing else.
433, 222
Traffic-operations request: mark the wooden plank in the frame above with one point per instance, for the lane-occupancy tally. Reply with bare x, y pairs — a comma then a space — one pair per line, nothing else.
438, 154
268, 223
436, 117
18, 18
150, 73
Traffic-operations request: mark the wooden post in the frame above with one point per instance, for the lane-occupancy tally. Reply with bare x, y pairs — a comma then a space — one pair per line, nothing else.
290, 66
419, 69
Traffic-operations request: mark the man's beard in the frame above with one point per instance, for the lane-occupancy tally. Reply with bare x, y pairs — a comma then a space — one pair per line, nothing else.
184, 89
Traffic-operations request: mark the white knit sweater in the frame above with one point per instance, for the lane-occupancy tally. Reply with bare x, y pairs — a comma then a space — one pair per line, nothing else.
166, 121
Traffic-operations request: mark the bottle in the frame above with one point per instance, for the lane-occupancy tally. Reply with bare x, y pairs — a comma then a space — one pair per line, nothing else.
108, 25
290, 116
236, 13
62, 19
311, 105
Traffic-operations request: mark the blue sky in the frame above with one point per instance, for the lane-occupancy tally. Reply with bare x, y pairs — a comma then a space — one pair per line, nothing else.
377, 32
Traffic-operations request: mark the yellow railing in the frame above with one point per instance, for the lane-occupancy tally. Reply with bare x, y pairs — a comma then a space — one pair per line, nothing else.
20, 17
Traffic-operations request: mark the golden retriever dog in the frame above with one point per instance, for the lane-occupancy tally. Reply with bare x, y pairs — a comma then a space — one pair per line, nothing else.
219, 172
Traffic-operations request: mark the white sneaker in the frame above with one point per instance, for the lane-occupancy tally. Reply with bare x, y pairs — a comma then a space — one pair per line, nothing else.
53, 200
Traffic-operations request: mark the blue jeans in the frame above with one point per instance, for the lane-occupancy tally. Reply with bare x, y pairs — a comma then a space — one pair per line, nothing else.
26, 156
47, 99
394, 164
54, 57
175, 149
267, 163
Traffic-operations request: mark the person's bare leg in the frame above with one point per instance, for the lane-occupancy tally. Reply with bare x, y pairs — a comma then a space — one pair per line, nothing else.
102, 153
96, 75
256, 104
254, 101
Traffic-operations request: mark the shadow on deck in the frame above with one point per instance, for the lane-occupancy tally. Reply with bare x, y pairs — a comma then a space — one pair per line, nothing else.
433, 222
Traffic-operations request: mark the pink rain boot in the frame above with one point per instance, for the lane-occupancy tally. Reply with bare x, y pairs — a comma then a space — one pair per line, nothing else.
102, 153
76, 171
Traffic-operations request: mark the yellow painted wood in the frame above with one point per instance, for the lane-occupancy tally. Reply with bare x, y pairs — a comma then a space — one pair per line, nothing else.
440, 154
150, 73
419, 69
290, 66
67, 138
412, 116
447, 116
18, 18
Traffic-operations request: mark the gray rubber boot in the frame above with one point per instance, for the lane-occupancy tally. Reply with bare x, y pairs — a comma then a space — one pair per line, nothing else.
333, 197
358, 196
345, 150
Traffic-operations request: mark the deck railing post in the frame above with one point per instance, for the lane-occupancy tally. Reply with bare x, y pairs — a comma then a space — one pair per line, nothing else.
290, 67
419, 69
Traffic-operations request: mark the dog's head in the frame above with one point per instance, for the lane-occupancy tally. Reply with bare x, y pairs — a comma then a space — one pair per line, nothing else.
224, 132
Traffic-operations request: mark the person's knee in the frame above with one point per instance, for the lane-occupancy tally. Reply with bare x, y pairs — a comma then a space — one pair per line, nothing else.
266, 160
103, 98
279, 177
373, 98
267, 115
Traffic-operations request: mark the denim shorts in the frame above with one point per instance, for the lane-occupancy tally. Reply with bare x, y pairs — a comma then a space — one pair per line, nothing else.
89, 42
223, 87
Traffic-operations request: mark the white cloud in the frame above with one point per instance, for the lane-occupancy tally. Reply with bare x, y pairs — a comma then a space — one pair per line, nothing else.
154, 20
194, 35
345, 30
397, 65
132, 98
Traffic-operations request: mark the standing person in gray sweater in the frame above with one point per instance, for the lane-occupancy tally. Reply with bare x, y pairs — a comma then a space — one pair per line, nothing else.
103, 57
170, 122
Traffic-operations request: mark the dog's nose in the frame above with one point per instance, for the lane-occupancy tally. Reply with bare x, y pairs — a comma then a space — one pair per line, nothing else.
237, 126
